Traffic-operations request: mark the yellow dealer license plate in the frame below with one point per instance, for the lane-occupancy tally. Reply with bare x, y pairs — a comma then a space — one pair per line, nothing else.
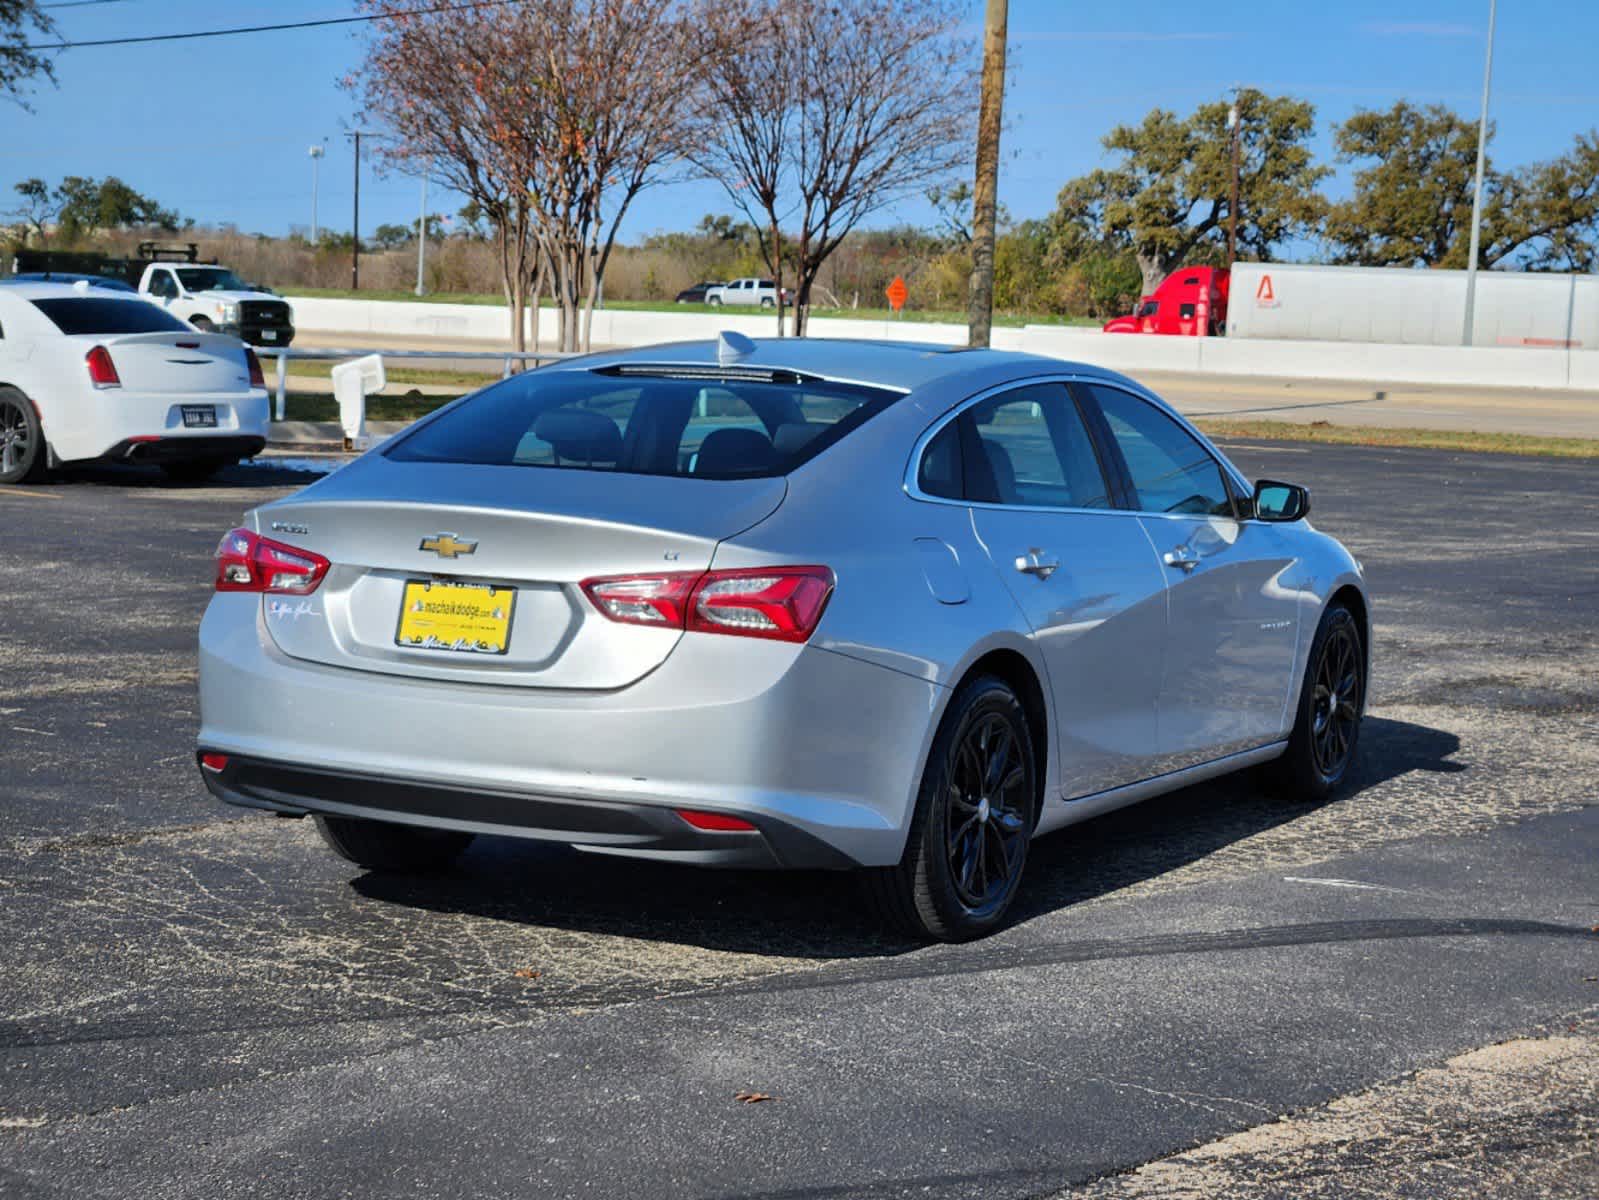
467, 617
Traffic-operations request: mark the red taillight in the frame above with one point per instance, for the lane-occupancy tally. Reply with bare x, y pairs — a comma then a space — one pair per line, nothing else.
254, 363
780, 603
248, 562
102, 371
783, 603
660, 600
715, 822
214, 762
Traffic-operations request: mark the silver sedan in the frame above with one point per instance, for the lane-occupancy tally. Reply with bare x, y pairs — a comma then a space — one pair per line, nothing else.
787, 603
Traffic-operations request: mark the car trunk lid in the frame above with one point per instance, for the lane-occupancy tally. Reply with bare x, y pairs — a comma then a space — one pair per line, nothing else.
180, 363
531, 535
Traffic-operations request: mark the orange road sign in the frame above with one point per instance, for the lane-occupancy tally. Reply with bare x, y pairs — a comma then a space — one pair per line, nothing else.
896, 293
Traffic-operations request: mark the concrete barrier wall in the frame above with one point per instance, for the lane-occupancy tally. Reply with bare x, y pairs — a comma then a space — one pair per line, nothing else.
1485, 366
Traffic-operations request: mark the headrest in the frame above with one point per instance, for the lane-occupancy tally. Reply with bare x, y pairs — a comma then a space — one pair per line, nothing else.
735, 452
1004, 469
579, 433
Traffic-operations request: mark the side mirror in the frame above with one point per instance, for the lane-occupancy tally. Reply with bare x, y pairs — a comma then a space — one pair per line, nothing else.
1276, 501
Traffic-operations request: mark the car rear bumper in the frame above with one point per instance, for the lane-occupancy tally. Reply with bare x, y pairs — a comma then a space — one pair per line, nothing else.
125, 421
602, 826
189, 448
817, 749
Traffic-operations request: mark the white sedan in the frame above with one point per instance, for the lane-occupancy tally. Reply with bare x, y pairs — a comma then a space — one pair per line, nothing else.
87, 374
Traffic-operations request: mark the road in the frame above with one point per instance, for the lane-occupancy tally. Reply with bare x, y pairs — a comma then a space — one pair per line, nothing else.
1537, 412
203, 1003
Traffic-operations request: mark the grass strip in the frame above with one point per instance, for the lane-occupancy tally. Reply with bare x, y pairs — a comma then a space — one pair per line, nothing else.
1422, 439
313, 406
323, 369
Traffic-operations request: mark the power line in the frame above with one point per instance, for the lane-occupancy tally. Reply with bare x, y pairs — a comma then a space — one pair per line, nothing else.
211, 33
79, 3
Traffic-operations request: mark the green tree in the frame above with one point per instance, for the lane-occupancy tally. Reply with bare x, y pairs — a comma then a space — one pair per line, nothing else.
1549, 217
85, 206
21, 22
953, 205
37, 211
1169, 195
392, 237
1411, 205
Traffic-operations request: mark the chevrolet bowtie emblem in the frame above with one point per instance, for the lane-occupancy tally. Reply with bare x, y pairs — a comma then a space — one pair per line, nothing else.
447, 545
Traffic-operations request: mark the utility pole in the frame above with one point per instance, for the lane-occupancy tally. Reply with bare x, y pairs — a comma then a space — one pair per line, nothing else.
1233, 129
316, 153
1476, 197
980, 310
355, 231
422, 234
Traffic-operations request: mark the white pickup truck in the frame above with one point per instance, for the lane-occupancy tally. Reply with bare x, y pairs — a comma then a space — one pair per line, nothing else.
762, 292
214, 299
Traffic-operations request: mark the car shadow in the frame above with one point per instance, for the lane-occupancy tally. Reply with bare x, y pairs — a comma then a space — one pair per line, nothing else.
821, 915
255, 473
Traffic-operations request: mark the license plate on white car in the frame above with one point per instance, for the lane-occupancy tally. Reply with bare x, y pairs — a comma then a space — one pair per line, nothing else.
199, 416
269, 335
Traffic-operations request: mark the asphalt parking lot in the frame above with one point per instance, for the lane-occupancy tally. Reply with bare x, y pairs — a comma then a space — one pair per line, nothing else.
203, 1003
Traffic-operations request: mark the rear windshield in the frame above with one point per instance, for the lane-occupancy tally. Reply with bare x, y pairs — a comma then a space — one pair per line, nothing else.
96, 314
713, 428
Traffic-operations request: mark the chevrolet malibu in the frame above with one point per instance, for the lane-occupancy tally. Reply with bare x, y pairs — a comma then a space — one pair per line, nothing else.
787, 603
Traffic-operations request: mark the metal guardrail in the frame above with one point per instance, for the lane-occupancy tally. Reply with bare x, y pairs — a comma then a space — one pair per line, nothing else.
335, 353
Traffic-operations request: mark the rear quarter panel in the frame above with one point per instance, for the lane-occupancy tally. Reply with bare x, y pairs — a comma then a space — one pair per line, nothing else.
916, 592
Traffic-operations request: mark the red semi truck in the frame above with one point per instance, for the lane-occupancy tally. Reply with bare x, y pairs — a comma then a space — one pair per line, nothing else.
1188, 303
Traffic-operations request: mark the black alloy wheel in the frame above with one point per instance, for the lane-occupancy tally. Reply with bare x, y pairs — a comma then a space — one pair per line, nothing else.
987, 823
1335, 701
1322, 748
967, 844
22, 453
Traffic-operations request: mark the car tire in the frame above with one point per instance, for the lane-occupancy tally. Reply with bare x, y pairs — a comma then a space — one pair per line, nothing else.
1325, 740
768, 303
195, 470
965, 852
23, 455
203, 324
382, 846
714, 301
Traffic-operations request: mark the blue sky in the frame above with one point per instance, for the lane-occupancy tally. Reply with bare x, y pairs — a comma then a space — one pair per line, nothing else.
219, 128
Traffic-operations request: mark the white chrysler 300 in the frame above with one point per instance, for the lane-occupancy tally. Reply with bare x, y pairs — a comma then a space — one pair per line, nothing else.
87, 373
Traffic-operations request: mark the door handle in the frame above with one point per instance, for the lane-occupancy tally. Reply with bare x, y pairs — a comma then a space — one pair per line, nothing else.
1036, 562
1182, 557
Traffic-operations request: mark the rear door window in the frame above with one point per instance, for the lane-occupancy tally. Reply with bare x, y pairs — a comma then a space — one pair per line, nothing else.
671, 424
1027, 447
96, 314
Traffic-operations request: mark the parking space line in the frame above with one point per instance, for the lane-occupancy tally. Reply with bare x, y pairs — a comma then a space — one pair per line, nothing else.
29, 493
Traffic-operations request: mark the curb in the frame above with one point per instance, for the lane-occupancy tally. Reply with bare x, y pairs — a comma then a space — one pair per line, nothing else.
303, 434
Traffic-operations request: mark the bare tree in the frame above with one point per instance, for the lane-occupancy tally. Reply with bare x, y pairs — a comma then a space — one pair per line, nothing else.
749, 109
864, 102
447, 87
611, 116
20, 22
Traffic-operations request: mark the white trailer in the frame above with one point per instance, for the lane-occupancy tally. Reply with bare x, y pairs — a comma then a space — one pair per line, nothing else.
1414, 307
